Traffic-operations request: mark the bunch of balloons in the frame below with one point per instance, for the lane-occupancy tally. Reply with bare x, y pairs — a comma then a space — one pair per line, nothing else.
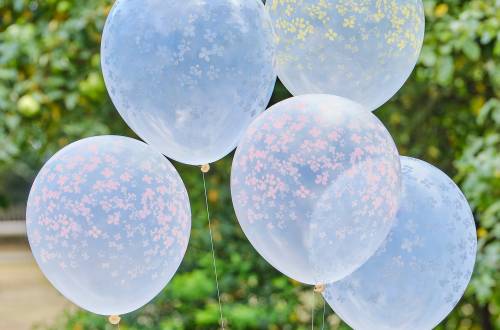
317, 183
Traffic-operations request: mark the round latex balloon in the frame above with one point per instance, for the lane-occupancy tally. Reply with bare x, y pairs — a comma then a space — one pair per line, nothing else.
419, 274
315, 184
108, 221
189, 76
363, 50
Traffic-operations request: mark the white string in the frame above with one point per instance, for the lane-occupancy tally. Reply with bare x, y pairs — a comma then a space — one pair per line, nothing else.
312, 309
324, 312
213, 252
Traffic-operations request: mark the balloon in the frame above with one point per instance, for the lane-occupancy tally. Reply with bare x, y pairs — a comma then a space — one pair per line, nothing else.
315, 185
363, 50
108, 222
421, 271
189, 76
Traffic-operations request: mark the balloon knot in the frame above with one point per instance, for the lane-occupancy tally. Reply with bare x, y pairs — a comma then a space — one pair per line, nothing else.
114, 319
319, 288
205, 168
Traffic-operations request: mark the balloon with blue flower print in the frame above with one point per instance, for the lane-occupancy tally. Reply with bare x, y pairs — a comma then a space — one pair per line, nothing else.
363, 50
422, 270
108, 221
189, 76
315, 185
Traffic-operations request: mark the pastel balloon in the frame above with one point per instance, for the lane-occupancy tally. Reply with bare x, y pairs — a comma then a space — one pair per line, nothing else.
315, 184
189, 76
108, 221
363, 50
422, 270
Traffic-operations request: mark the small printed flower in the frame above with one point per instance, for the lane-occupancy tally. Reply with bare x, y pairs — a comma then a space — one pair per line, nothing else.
114, 219
147, 179
107, 172
315, 132
126, 177
349, 22
95, 232
331, 35
210, 36
303, 192
189, 31
204, 54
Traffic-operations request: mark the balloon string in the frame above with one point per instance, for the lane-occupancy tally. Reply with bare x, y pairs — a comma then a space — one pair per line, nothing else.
312, 309
324, 312
213, 251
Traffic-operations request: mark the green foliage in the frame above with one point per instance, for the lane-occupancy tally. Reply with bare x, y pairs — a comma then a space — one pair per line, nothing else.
52, 93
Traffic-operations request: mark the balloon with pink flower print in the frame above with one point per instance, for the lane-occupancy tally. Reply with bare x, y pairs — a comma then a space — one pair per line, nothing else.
108, 221
315, 184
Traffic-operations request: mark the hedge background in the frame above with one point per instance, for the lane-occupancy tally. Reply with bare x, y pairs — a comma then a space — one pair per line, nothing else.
52, 93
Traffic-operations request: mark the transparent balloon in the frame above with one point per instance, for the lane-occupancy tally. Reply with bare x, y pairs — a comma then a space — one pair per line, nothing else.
363, 50
189, 76
108, 221
315, 184
420, 273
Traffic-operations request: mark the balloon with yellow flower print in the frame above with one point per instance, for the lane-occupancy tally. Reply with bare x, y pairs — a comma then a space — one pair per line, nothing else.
363, 50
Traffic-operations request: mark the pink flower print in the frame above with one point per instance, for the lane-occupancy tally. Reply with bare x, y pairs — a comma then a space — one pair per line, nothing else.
322, 179
111, 185
269, 140
356, 155
162, 190
36, 237
146, 166
334, 136
356, 138
377, 202
59, 168
114, 219
259, 166
314, 165
62, 180
107, 172
303, 192
106, 205
280, 122
148, 194
270, 226
320, 144
95, 232
78, 180
164, 219
147, 179
92, 148
126, 177
110, 160
315, 132
173, 209
51, 177
296, 127
46, 255
372, 178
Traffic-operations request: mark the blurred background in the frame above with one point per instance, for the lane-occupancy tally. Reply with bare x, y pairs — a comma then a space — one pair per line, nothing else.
52, 93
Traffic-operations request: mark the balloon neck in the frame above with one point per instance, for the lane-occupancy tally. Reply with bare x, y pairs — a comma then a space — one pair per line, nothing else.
114, 319
319, 288
205, 168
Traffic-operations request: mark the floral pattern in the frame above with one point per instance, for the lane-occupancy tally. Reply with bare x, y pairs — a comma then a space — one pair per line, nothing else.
419, 274
189, 76
108, 222
315, 184
363, 50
